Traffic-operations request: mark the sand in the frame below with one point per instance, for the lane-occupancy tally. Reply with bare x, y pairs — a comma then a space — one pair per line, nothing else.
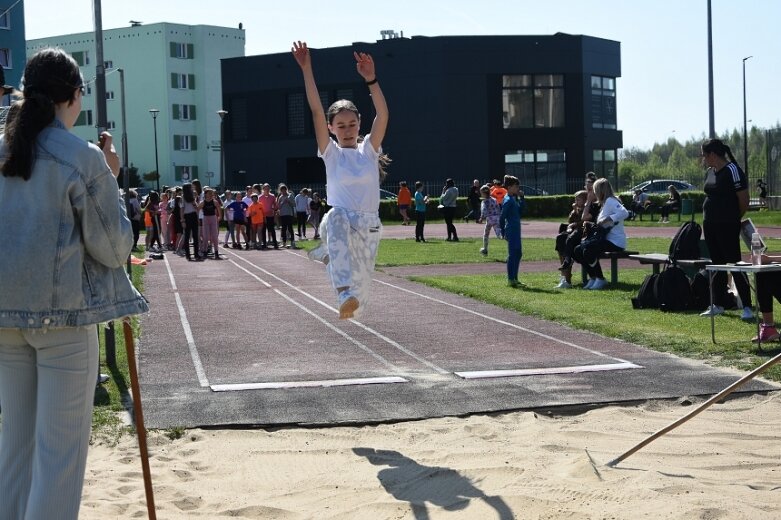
724, 463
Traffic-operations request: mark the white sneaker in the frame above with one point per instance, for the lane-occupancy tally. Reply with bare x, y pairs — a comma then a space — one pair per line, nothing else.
748, 314
589, 283
564, 284
598, 285
319, 254
713, 310
483, 251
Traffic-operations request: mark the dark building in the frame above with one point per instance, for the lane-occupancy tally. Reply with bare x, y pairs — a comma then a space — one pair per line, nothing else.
540, 107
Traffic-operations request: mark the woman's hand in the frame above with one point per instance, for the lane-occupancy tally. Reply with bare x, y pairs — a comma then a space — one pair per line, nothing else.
106, 143
365, 65
301, 54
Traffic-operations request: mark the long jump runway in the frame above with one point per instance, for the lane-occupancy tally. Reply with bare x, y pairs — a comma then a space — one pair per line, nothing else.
255, 339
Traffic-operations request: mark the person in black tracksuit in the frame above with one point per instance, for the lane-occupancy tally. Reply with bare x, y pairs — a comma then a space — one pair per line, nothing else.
726, 201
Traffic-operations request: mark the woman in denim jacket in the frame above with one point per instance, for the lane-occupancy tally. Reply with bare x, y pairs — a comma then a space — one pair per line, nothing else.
63, 274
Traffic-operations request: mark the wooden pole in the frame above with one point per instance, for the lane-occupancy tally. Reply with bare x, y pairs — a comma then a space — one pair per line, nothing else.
724, 393
139, 418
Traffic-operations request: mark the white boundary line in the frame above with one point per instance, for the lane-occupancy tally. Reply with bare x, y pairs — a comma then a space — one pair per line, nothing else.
388, 340
513, 325
484, 374
308, 384
188, 333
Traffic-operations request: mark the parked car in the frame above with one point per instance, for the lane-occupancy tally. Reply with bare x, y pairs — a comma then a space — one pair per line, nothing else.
532, 191
659, 186
387, 195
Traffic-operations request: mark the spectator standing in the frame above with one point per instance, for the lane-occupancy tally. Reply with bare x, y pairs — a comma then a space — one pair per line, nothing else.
448, 201
474, 201
404, 201
420, 211
302, 212
287, 210
48, 339
489, 213
315, 213
726, 201
269, 203
510, 224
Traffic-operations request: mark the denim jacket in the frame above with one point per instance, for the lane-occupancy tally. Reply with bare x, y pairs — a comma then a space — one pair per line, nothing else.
66, 239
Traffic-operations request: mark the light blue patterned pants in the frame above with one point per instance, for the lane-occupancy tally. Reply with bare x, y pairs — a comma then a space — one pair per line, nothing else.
352, 239
47, 385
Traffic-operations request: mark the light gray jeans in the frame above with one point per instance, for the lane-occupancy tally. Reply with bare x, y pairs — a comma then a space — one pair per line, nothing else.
47, 387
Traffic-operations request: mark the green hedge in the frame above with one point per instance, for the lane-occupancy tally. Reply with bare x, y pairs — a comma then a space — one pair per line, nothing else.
549, 206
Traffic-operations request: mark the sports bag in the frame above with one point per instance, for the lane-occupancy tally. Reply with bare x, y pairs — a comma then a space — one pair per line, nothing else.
686, 242
646, 296
700, 292
672, 289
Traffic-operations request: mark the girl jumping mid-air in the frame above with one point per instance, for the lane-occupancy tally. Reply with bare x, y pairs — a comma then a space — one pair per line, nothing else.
350, 232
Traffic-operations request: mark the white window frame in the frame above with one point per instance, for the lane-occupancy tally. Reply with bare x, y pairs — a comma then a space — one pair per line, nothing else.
181, 50
111, 125
184, 141
182, 81
184, 112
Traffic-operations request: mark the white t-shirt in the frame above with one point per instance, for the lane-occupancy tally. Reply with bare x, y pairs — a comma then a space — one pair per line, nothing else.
352, 176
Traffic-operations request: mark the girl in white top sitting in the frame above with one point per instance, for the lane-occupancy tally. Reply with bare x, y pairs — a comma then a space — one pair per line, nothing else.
350, 232
612, 237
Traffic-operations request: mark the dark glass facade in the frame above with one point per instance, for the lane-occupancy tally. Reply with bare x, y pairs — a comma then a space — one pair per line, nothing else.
463, 107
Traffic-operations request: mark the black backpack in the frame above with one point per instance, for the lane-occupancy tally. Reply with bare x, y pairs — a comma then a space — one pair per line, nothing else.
646, 296
686, 242
672, 289
700, 290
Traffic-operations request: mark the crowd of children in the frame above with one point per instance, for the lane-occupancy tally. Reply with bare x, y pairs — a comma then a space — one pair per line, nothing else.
192, 214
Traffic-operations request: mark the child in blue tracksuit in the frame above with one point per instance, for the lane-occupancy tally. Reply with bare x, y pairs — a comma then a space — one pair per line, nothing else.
510, 224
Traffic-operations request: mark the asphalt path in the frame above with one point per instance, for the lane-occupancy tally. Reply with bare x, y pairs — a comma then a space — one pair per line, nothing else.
255, 339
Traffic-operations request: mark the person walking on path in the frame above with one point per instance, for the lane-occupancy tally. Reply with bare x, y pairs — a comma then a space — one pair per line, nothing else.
351, 231
48, 339
473, 199
510, 224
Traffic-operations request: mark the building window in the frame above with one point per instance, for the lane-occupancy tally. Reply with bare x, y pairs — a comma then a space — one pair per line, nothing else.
182, 50
184, 112
110, 94
111, 125
108, 65
325, 99
183, 81
5, 58
84, 119
185, 173
344, 93
88, 89
533, 101
185, 142
81, 57
605, 164
603, 102
295, 114
5, 19
538, 170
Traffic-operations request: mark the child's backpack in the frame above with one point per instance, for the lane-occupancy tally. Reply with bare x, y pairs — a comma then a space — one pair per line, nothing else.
686, 242
646, 296
672, 289
700, 290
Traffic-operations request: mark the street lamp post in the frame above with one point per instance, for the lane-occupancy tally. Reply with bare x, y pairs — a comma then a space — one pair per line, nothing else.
222, 113
745, 123
154, 113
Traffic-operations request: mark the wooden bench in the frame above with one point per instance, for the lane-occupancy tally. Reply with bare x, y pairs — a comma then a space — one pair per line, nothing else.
658, 259
613, 256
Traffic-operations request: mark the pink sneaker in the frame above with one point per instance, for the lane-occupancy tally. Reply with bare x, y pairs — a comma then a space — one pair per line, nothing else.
766, 333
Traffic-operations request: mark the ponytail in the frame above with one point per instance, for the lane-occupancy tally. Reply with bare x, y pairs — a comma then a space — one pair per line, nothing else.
51, 77
29, 116
718, 147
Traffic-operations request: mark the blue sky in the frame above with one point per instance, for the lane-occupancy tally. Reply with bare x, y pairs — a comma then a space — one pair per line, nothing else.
663, 91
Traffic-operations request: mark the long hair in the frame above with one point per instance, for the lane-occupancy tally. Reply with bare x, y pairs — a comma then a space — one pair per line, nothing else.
345, 104
50, 77
187, 193
603, 190
718, 147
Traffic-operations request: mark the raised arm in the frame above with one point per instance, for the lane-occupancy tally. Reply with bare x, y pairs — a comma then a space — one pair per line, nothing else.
365, 65
304, 60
